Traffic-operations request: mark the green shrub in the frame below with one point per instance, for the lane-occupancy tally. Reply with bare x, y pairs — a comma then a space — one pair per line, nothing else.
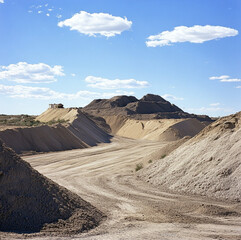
139, 166
163, 156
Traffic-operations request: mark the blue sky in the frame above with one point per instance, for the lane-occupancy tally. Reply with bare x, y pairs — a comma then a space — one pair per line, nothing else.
186, 51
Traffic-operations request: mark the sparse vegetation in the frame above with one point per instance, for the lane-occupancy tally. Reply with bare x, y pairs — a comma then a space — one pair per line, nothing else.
150, 161
163, 156
24, 120
139, 166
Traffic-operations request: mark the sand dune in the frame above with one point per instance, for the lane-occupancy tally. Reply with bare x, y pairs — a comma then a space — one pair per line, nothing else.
208, 164
30, 202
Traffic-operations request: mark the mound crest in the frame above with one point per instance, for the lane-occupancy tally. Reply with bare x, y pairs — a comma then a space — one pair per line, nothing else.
148, 107
30, 202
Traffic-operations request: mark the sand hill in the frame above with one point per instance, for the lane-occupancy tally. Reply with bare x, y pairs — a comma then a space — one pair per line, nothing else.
160, 130
208, 164
41, 139
78, 124
148, 107
30, 202
75, 131
151, 117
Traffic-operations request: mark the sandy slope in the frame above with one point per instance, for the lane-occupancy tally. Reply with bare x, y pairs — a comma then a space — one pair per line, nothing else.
30, 202
103, 176
77, 132
160, 130
78, 124
208, 164
40, 139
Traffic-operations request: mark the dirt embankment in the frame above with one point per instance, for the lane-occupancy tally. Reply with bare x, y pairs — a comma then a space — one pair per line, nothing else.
30, 202
208, 164
77, 131
41, 139
156, 129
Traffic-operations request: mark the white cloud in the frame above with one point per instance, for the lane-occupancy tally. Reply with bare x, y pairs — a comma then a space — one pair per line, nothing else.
46, 5
59, 16
47, 14
214, 104
231, 80
96, 23
50, 9
104, 83
23, 72
1, 1
225, 78
238, 87
195, 34
171, 97
30, 11
40, 12
20, 91
219, 78
73, 74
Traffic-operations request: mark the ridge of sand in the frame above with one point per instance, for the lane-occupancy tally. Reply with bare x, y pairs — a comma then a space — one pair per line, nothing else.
55, 114
208, 164
30, 202
41, 139
160, 130
78, 124
78, 131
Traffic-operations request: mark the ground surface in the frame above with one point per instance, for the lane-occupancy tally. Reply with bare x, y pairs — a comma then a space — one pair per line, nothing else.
105, 177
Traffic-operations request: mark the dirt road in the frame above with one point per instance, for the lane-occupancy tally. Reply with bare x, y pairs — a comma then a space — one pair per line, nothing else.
105, 176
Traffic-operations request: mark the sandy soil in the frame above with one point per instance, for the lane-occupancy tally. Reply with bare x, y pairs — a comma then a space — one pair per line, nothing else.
104, 176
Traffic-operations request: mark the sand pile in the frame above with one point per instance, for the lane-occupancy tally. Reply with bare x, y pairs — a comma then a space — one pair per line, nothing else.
160, 130
41, 139
75, 131
30, 202
208, 164
78, 124
149, 107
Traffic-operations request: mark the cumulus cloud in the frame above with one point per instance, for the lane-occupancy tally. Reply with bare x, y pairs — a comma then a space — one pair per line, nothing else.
23, 72
1, 1
225, 78
171, 97
96, 23
195, 34
20, 91
104, 83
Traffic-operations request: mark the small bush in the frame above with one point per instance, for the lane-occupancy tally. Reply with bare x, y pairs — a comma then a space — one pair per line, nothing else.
139, 166
150, 161
163, 156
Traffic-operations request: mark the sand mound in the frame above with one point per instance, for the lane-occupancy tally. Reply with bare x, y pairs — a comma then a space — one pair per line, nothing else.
160, 130
148, 107
78, 124
30, 201
77, 131
41, 139
208, 164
